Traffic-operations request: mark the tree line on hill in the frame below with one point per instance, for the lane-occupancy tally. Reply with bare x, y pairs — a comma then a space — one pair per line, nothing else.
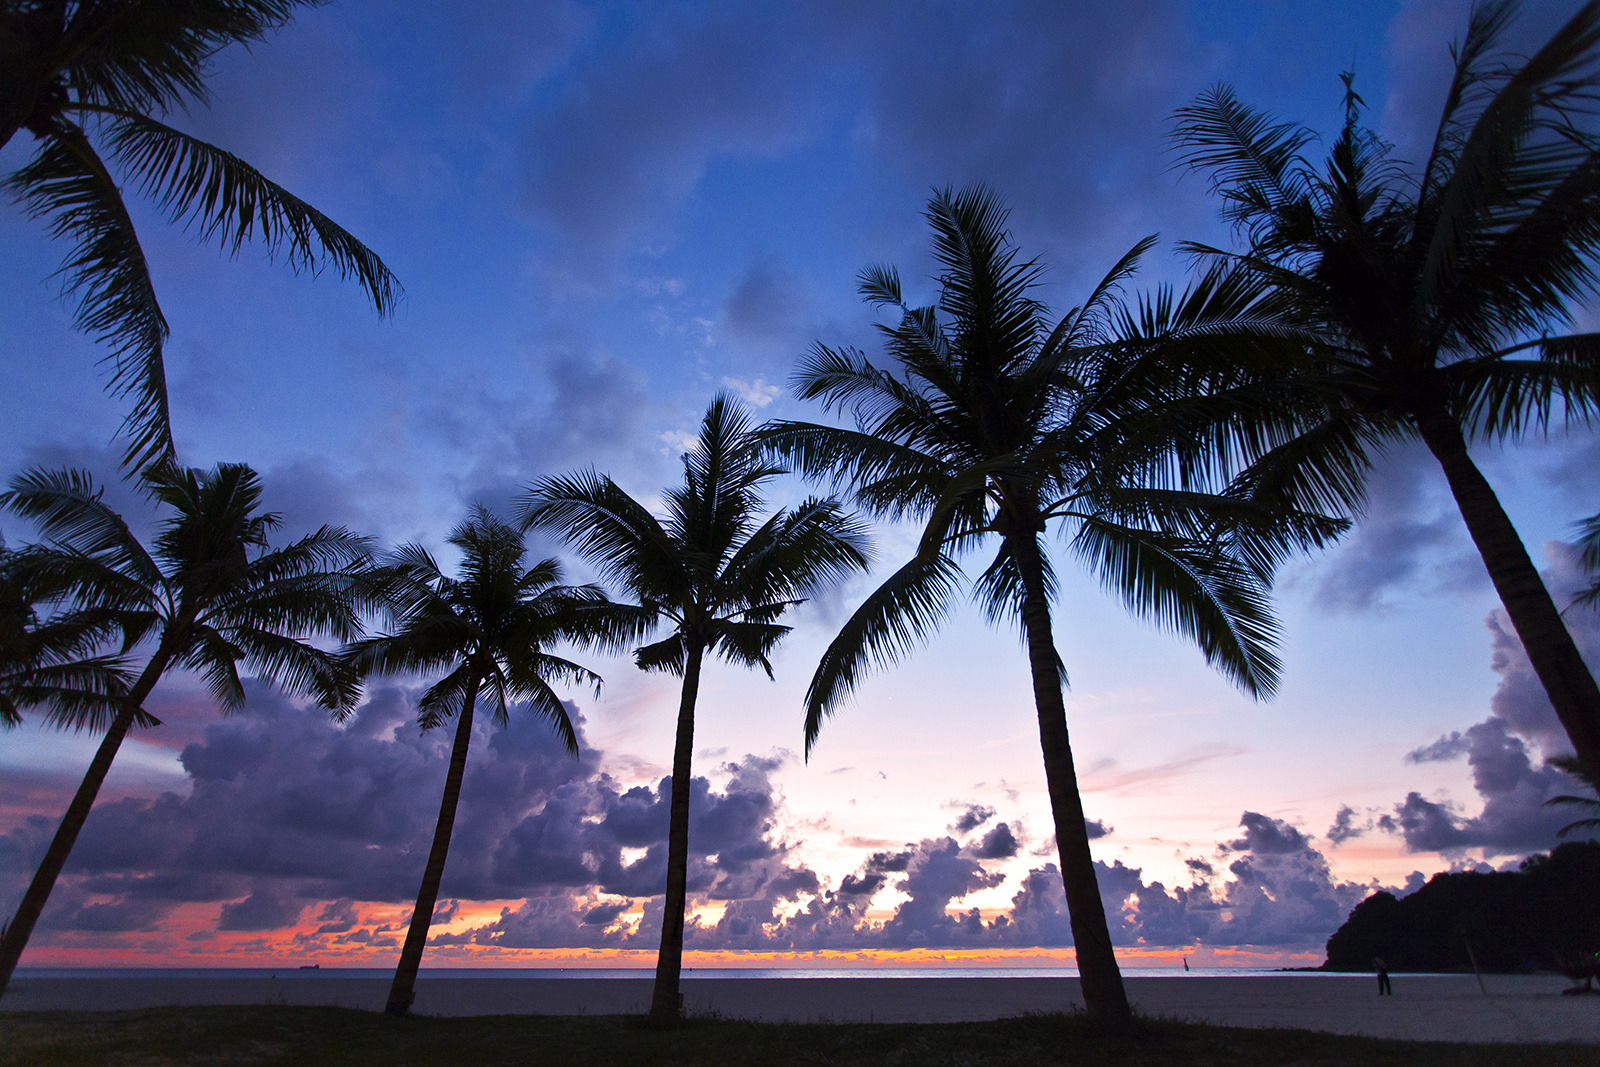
1542, 916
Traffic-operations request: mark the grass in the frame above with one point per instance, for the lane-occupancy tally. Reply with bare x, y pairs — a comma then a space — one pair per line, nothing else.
302, 1035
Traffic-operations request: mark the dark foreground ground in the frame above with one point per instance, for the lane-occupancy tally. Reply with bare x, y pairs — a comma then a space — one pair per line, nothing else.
265, 1034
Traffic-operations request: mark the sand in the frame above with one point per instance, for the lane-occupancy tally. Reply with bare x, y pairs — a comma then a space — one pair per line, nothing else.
1516, 1009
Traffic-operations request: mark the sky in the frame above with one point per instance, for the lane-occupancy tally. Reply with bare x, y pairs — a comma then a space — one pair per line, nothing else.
605, 213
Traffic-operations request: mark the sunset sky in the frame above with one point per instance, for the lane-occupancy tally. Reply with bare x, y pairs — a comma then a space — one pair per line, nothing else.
602, 215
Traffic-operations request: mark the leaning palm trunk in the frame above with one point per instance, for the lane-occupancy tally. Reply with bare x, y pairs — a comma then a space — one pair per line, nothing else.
55, 858
404, 988
1101, 980
1550, 648
664, 1003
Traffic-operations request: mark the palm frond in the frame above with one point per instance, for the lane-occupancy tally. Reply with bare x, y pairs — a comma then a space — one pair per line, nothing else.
154, 56
67, 183
896, 617
1190, 588
226, 200
1254, 161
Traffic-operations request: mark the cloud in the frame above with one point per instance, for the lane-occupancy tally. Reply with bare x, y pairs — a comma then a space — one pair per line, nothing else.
586, 408
1344, 826
293, 821
1520, 699
1266, 836
973, 817
998, 844
1407, 528
1513, 820
1501, 750
268, 909
636, 129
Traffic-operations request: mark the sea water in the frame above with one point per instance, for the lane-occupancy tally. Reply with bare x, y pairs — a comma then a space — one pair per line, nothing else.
643, 973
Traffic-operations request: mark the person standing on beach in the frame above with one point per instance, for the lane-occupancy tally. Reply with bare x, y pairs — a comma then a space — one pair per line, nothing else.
1384, 989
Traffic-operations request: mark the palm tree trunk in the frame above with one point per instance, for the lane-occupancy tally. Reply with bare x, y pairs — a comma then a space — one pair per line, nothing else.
1103, 994
404, 988
1567, 680
55, 857
669, 962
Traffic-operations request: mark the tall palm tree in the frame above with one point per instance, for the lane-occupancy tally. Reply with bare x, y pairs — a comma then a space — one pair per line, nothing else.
208, 593
717, 576
993, 422
1420, 302
77, 74
491, 628
53, 660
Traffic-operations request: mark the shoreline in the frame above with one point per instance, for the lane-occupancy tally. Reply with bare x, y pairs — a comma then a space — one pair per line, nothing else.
1516, 1008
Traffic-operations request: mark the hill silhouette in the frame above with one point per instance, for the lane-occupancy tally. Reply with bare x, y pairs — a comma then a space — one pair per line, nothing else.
1542, 916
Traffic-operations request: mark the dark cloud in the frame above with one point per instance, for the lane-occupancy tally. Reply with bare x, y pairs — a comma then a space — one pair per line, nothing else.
1283, 895
289, 812
1266, 836
1408, 526
1501, 751
1345, 826
609, 164
960, 95
765, 307
973, 817
1448, 747
1513, 820
585, 407
998, 844
892, 862
938, 874
1520, 699
1096, 829
265, 909
337, 917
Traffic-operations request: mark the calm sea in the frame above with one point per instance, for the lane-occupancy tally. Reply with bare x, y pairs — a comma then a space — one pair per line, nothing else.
290, 973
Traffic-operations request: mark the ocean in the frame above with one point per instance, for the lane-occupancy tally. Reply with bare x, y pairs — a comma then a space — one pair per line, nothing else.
644, 973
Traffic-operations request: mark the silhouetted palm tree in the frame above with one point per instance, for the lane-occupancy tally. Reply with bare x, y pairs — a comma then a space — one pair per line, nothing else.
718, 576
53, 660
1419, 302
994, 422
1591, 804
491, 628
77, 74
200, 595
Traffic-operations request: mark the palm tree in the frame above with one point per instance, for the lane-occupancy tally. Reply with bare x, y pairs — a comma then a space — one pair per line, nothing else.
993, 421
53, 660
490, 628
1421, 301
208, 593
81, 73
1590, 804
718, 576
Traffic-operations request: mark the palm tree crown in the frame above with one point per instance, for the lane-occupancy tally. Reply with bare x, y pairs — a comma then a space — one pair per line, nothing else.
208, 592
717, 575
490, 628
53, 660
995, 422
1418, 302
77, 73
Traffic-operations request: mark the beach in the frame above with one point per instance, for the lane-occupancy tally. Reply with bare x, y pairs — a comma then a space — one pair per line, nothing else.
1515, 1008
